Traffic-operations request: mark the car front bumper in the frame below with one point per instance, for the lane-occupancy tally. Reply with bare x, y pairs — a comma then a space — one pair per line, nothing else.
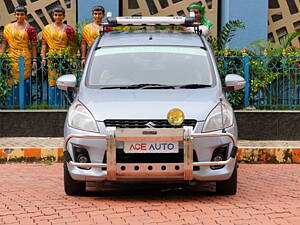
113, 171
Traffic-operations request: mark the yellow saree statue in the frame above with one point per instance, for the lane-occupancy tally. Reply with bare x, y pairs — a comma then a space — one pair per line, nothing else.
56, 37
18, 36
21, 40
91, 31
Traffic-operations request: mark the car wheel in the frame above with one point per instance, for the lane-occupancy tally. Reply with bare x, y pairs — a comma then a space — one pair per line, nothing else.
72, 187
228, 187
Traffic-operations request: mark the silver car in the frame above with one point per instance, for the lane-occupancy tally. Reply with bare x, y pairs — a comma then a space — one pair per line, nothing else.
150, 107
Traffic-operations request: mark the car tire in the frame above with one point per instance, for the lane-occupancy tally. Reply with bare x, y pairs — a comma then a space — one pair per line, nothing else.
73, 187
228, 187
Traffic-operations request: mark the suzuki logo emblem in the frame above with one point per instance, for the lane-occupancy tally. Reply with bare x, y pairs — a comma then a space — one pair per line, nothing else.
150, 124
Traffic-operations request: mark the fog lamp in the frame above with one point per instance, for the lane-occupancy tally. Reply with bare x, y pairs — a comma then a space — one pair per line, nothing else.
175, 117
82, 159
218, 158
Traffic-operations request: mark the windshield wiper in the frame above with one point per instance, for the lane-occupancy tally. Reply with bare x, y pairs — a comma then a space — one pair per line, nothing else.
149, 86
112, 87
140, 86
194, 86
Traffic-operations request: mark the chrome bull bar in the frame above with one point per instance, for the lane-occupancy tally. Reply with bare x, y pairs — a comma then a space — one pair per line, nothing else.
184, 134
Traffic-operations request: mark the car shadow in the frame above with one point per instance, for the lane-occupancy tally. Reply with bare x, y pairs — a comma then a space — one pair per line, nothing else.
150, 191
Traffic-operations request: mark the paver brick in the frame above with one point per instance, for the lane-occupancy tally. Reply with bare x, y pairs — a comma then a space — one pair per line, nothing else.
65, 213
29, 215
281, 221
9, 219
45, 223
31, 209
294, 220
191, 220
177, 222
46, 218
64, 220
137, 211
26, 221
99, 219
279, 215
7, 212
118, 215
120, 209
172, 217
117, 221
48, 211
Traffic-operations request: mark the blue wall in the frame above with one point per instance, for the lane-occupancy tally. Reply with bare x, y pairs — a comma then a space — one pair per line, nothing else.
84, 7
254, 13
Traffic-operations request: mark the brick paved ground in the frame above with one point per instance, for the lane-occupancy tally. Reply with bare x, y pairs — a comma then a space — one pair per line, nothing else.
33, 194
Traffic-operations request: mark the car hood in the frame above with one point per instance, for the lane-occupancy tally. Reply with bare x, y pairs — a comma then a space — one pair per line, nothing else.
149, 104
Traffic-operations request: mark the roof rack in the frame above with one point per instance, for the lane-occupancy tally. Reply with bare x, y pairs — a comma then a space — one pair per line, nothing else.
150, 21
153, 21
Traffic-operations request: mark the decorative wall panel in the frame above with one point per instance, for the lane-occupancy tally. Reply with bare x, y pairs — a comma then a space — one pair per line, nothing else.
38, 11
284, 18
169, 7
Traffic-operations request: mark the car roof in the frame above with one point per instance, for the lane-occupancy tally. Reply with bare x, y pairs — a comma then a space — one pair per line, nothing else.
157, 38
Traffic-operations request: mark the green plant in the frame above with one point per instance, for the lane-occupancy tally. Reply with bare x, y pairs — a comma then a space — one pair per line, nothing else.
44, 106
62, 61
271, 73
127, 28
226, 34
275, 69
230, 61
5, 77
78, 33
278, 48
49, 160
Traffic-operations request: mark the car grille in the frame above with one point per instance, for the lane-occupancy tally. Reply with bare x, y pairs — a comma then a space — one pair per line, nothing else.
143, 123
123, 157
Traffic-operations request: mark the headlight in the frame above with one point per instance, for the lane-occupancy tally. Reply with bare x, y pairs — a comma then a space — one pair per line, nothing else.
215, 120
80, 118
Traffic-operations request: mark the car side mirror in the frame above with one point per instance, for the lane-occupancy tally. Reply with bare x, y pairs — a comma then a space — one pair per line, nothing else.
66, 82
234, 82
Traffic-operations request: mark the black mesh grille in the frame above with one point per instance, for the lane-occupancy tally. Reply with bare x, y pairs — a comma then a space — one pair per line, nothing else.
123, 157
142, 123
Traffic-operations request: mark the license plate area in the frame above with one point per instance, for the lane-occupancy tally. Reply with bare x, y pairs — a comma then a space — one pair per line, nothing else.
142, 147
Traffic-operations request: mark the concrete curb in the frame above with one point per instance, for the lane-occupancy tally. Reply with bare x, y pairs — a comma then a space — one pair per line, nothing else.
31, 154
269, 155
245, 154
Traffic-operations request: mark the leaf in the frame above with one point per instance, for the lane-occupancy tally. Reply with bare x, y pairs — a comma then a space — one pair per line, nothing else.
260, 45
284, 43
287, 39
228, 32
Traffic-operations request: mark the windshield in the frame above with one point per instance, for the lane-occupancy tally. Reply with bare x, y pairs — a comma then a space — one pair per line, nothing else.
120, 66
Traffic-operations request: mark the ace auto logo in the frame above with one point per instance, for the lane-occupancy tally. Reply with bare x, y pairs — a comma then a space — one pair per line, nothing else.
152, 147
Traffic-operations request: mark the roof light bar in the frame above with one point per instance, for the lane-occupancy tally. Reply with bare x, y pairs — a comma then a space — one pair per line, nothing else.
150, 21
